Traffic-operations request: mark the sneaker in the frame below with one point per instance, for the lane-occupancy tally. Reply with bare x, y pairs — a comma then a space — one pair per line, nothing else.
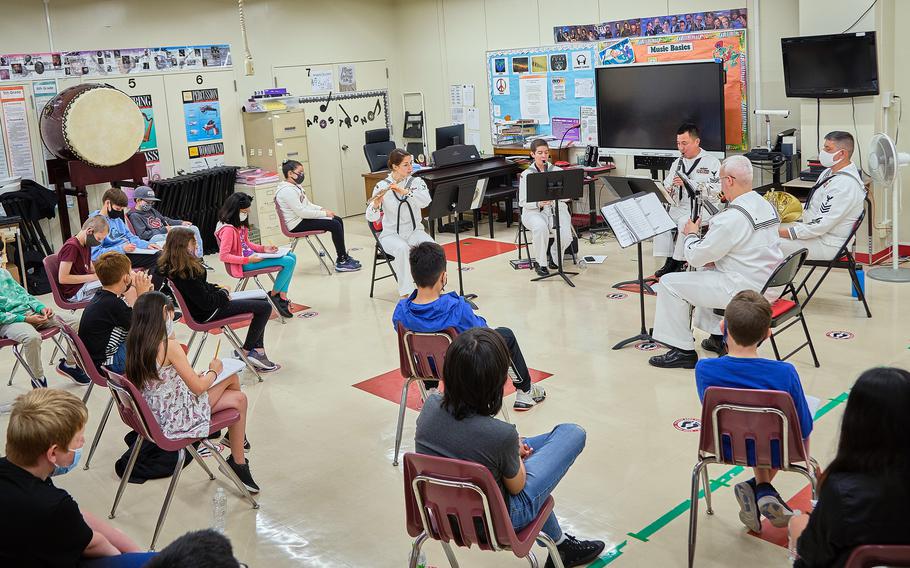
226, 442
527, 400
351, 259
346, 265
748, 508
281, 305
774, 508
39, 383
261, 361
576, 552
72, 372
242, 471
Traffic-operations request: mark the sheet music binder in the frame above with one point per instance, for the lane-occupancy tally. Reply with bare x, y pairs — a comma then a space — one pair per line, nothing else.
637, 218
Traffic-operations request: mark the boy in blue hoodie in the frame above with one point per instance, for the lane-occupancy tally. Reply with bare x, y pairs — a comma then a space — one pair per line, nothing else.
428, 310
120, 238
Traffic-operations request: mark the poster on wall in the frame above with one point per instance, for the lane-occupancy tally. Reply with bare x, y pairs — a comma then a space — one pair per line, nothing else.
205, 156
42, 93
202, 115
18, 138
619, 53
734, 19
347, 80
322, 81
149, 145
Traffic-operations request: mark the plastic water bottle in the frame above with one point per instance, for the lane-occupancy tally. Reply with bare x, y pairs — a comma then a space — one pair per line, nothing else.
422, 560
219, 508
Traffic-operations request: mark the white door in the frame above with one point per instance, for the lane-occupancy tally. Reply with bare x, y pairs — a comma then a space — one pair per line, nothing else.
354, 117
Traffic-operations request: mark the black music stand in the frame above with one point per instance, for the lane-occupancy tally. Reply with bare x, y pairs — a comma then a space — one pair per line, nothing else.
555, 186
627, 188
455, 197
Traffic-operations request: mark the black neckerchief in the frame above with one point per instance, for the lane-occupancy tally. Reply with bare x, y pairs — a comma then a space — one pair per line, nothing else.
820, 183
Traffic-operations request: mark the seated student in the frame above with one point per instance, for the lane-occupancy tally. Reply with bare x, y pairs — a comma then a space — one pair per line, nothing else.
300, 215
537, 216
461, 424
428, 309
863, 495
150, 225
22, 317
106, 320
206, 548
41, 525
75, 275
208, 301
120, 238
747, 322
181, 399
239, 254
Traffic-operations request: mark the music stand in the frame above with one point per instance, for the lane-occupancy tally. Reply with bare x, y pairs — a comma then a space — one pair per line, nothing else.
555, 186
627, 188
454, 197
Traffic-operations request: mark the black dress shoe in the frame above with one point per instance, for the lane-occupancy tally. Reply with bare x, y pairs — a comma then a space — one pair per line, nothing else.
672, 265
675, 359
541, 270
552, 265
715, 344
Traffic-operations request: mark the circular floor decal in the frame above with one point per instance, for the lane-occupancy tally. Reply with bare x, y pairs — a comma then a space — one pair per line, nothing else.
617, 296
840, 334
687, 425
466, 268
309, 314
647, 346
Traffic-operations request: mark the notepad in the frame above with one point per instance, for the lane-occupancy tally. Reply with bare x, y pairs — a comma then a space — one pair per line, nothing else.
256, 294
231, 367
813, 403
143, 251
637, 218
91, 285
281, 252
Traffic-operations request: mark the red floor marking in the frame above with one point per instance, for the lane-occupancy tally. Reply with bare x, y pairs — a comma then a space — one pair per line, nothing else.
235, 326
634, 288
769, 533
388, 386
473, 249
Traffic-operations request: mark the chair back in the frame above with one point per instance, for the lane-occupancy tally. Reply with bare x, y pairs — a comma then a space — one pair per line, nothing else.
82, 355
422, 355
282, 223
846, 246
786, 271
755, 428
455, 501
52, 268
377, 148
133, 409
870, 555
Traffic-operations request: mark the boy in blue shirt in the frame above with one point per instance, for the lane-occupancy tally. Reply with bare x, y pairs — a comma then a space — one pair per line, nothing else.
427, 309
120, 238
747, 322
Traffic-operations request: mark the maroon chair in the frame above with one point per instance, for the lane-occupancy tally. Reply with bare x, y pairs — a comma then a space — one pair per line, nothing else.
52, 268
224, 324
458, 502
380, 256
295, 237
49, 333
870, 555
748, 428
136, 414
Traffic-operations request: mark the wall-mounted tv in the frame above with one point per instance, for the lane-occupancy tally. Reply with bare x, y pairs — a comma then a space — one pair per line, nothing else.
830, 66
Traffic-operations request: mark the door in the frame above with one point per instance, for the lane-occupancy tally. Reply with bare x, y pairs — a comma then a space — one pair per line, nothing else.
355, 117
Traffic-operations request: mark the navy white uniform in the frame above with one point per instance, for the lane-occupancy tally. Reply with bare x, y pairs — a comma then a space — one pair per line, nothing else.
704, 171
539, 219
742, 243
829, 214
401, 226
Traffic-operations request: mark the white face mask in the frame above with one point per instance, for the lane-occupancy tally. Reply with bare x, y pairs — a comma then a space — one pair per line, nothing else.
243, 216
827, 158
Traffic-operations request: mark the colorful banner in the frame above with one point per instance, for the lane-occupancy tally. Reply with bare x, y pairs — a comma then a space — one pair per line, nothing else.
619, 53
658, 25
202, 115
149, 145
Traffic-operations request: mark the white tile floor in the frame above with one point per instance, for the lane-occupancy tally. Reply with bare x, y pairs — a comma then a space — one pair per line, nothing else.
322, 449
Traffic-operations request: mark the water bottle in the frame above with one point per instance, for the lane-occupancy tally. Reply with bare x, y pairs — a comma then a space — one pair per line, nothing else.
219, 507
422, 560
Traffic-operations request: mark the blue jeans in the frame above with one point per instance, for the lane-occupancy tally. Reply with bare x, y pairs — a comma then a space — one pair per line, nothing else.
554, 454
286, 262
118, 365
159, 239
128, 560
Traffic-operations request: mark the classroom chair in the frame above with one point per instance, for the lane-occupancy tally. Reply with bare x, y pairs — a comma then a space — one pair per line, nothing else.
254, 276
295, 238
380, 256
136, 414
458, 502
49, 333
870, 555
52, 268
843, 259
377, 147
748, 428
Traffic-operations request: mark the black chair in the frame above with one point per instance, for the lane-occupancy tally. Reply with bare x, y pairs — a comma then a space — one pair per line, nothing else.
843, 259
495, 195
380, 256
377, 148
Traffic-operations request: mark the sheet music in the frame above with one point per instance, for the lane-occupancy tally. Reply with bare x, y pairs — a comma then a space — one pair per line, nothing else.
655, 214
620, 230
632, 213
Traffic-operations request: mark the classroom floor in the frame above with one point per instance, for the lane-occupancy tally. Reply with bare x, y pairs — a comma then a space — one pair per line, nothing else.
322, 449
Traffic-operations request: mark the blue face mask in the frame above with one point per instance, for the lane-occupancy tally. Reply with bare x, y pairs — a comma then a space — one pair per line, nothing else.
58, 470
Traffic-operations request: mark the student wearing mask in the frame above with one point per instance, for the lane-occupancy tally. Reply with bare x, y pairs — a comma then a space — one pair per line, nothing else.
120, 238
397, 201
76, 277
537, 216
301, 215
152, 226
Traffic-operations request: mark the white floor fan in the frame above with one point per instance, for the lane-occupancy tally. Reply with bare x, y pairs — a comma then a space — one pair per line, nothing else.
884, 163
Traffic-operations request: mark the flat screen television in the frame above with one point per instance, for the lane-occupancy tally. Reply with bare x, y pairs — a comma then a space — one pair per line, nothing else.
830, 66
640, 107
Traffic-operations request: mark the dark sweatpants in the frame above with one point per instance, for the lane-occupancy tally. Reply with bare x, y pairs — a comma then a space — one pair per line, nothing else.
334, 225
261, 310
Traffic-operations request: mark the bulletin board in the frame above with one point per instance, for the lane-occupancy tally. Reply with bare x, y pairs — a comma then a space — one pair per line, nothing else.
575, 64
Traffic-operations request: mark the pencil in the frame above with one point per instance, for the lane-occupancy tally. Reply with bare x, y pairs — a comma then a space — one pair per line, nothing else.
217, 348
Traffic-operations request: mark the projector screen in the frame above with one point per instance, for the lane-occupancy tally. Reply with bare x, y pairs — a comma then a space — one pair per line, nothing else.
640, 107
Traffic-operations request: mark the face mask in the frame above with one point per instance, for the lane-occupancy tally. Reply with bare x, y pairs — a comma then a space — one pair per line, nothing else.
144, 207
114, 214
169, 325
300, 177
91, 241
60, 470
243, 217
827, 158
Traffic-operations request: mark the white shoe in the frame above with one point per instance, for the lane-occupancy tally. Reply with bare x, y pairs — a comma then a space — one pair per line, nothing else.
527, 400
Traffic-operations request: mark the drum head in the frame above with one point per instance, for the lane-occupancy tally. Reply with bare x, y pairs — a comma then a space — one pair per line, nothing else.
104, 127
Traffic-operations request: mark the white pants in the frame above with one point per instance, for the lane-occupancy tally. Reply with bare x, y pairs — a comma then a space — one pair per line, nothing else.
663, 243
704, 289
817, 249
540, 224
29, 339
400, 247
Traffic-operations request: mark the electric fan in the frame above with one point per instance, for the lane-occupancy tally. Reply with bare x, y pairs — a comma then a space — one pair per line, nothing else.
884, 162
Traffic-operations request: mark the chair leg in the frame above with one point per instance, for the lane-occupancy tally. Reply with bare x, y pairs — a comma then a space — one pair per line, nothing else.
97, 438
175, 477
88, 392
399, 428
294, 242
13, 373
693, 510
238, 345
453, 562
802, 319
415, 549
226, 469
54, 354
189, 344
551, 550
198, 459
196, 355
373, 277
320, 257
126, 475
532, 560
21, 361
774, 346
860, 294
706, 483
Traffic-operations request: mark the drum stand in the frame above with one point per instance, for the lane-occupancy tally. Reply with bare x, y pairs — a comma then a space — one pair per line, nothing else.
80, 175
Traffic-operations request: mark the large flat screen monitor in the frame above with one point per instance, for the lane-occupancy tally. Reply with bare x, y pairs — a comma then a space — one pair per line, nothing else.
449, 136
830, 66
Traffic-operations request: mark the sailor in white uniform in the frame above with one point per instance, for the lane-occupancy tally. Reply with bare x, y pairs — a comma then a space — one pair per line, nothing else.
739, 252
701, 169
537, 216
834, 204
397, 200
